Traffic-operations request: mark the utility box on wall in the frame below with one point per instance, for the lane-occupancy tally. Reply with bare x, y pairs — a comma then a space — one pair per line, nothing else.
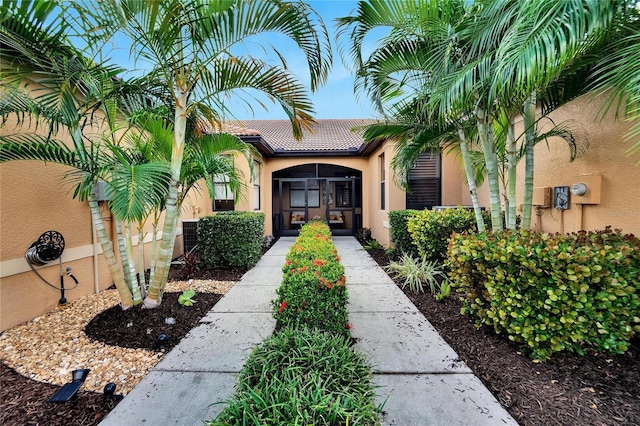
593, 184
542, 197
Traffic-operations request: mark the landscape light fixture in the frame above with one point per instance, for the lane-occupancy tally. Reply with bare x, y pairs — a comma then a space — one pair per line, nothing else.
110, 393
161, 341
69, 392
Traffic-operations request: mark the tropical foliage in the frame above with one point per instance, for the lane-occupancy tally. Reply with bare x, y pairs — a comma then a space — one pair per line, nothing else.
457, 73
153, 137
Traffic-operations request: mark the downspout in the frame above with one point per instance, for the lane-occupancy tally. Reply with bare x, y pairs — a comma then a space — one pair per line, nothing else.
94, 241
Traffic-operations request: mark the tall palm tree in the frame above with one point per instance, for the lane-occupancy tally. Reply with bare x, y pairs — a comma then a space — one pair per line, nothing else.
44, 78
194, 48
480, 61
194, 51
399, 75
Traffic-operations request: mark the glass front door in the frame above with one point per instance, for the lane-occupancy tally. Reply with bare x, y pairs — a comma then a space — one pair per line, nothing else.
300, 200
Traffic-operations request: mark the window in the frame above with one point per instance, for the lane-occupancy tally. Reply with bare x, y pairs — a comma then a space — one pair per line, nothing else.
256, 185
297, 193
424, 182
382, 182
343, 194
223, 199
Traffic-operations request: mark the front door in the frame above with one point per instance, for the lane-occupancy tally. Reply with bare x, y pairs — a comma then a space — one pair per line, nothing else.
300, 200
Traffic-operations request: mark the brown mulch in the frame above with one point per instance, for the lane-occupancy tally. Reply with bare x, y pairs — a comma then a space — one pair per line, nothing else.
25, 402
594, 389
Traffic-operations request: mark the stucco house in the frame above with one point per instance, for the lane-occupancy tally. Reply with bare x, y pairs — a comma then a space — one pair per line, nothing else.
330, 174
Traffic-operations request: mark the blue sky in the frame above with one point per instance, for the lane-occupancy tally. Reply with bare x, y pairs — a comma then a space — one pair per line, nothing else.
336, 99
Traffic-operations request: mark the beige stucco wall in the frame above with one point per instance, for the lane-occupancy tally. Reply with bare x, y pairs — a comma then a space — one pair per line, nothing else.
34, 198
619, 204
606, 156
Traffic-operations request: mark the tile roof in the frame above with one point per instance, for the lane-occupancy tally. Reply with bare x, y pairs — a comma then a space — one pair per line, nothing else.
327, 134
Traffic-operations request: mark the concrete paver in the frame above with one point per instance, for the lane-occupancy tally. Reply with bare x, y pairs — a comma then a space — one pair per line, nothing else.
376, 298
420, 376
257, 298
264, 275
438, 400
174, 398
403, 342
221, 344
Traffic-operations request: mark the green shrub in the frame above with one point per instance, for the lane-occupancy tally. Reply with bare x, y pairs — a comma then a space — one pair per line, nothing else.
551, 292
231, 239
313, 292
430, 230
416, 272
303, 377
400, 234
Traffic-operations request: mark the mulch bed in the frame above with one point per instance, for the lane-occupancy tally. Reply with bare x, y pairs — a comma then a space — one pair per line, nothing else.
24, 401
595, 389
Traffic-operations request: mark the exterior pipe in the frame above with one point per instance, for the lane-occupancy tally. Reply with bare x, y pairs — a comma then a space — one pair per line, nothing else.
94, 241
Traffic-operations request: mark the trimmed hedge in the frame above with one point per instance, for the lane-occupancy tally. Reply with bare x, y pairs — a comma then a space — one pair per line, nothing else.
430, 230
231, 239
313, 292
307, 372
303, 377
551, 292
400, 235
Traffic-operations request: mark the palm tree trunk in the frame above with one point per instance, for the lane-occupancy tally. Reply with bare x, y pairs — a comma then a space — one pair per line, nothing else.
125, 259
512, 163
156, 287
529, 117
491, 162
468, 169
131, 267
117, 274
141, 278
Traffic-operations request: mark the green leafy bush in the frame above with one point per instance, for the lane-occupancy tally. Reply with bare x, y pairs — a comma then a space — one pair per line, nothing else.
303, 377
551, 292
430, 230
313, 292
416, 272
231, 239
400, 234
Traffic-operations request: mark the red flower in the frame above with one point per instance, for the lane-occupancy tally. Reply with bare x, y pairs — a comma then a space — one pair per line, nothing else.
283, 306
328, 284
348, 326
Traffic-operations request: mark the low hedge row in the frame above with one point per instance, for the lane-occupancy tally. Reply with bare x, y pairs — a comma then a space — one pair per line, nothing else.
551, 292
430, 230
313, 292
231, 239
400, 235
307, 372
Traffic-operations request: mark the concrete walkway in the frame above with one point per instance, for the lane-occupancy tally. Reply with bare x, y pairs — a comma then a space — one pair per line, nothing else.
419, 375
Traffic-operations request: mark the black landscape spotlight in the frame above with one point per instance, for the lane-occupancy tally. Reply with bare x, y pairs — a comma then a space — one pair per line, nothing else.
70, 390
110, 393
161, 341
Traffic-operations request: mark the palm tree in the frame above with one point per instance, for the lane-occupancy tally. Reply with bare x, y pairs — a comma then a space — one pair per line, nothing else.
485, 61
192, 47
400, 74
66, 92
193, 50
620, 70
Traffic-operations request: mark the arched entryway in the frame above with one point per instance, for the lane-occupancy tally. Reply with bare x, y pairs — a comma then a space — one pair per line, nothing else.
317, 191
